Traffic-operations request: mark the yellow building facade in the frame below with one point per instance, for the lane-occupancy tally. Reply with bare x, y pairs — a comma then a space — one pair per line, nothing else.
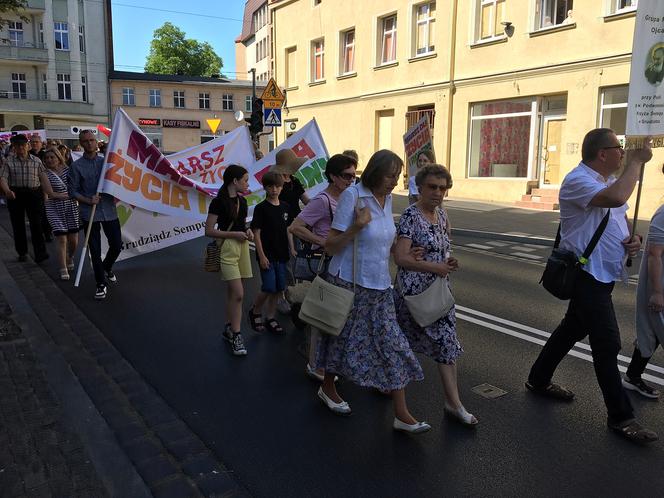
511, 86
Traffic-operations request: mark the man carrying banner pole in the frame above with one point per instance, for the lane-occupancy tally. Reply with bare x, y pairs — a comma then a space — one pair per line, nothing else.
98, 212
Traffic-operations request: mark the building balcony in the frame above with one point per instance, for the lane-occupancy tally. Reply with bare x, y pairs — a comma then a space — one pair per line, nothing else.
35, 6
24, 53
29, 103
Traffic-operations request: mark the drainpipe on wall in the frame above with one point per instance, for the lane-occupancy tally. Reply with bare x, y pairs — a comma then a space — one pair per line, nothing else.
110, 60
450, 100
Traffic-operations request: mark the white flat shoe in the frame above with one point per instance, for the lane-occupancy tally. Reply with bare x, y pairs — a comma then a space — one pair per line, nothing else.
462, 415
415, 428
311, 372
342, 408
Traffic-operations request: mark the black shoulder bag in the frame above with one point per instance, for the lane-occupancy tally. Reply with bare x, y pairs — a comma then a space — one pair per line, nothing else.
563, 266
308, 260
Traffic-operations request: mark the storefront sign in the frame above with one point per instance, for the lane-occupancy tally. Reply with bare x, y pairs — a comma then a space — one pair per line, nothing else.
645, 107
149, 122
181, 123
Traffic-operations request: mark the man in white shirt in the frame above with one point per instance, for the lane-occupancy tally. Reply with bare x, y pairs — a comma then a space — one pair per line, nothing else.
585, 195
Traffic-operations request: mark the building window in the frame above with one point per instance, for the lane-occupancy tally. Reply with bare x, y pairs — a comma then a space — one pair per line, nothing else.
227, 102
155, 97
549, 13
16, 33
203, 100
178, 99
41, 34
84, 88
262, 49
290, 70
317, 2
388, 45
500, 142
318, 60
425, 22
19, 86
620, 6
154, 137
247, 103
260, 17
613, 109
64, 86
348, 52
128, 97
61, 30
81, 38
491, 14
44, 86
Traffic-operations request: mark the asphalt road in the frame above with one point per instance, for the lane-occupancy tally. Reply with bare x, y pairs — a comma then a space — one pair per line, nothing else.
261, 416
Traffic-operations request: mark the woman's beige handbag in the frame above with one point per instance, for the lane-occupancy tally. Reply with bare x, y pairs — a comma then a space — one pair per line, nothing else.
432, 304
327, 306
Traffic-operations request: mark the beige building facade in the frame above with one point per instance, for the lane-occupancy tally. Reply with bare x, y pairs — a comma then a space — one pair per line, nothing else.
510, 86
173, 110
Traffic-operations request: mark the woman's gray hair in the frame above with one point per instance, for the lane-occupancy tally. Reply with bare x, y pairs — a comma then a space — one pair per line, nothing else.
433, 170
380, 165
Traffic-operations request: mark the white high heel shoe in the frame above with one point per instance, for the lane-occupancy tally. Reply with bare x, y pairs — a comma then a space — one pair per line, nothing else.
415, 428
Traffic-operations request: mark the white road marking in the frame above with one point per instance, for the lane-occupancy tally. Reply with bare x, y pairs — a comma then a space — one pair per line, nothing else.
478, 246
477, 319
524, 248
497, 244
527, 256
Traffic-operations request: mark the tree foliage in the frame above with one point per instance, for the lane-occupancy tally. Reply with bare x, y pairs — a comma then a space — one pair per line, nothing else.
12, 7
172, 53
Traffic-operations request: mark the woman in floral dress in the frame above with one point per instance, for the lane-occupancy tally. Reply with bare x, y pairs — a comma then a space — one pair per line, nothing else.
424, 225
371, 350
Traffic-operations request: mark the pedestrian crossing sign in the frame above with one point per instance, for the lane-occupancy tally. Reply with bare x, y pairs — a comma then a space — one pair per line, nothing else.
272, 117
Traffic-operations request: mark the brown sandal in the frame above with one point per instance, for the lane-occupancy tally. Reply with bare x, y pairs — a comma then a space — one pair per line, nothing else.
554, 391
635, 432
255, 320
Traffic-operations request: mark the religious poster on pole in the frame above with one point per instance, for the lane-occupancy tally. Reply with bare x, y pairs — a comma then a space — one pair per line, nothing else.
417, 140
645, 108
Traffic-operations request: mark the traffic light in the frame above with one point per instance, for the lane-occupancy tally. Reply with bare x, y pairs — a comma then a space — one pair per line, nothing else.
256, 119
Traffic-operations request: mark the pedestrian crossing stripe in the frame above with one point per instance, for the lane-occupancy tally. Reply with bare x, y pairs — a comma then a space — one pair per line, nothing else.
272, 117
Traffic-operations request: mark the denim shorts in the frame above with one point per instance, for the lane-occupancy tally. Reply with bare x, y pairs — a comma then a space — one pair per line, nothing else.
274, 278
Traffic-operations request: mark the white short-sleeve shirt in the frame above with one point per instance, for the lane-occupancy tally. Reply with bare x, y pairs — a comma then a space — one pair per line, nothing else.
579, 220
373, 242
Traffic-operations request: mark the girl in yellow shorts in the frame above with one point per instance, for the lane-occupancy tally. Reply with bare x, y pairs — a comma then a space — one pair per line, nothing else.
227, 217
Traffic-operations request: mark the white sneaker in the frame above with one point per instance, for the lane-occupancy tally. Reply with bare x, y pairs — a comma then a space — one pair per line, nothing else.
100, 292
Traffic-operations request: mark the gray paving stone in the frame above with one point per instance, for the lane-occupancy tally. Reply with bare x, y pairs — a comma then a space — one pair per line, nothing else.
156, 469
179, 487
186, 448
216, 485
142, 449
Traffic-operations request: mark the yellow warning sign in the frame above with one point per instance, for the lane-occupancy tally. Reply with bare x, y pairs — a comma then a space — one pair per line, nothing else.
213, 124
273, 95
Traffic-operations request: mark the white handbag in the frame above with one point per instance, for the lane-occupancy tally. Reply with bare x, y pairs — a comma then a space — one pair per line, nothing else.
432, 304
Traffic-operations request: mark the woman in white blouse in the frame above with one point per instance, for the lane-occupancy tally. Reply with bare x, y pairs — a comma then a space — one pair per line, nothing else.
371, 350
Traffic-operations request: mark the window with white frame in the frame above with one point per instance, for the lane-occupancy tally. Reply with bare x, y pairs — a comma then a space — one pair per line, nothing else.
318, 60
227, 102
490, 14
178, 99
155, 97
247, 103
19, 86
128, 96
84, 88
620, 6
260, 17
61, 32
388, 40
550, 13
81, 38
16, 33
501, 138
347, 62
291, 67
425, 21
613, 109
44, 86
203, 100
64, 86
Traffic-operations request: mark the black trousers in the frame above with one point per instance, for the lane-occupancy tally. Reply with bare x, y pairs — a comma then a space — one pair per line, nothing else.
30, 202
114, 237
590, 313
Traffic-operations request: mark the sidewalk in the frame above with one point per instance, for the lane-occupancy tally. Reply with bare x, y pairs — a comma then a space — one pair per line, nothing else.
76, 419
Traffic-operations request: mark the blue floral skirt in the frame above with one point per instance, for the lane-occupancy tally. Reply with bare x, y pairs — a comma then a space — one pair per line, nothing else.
371, 350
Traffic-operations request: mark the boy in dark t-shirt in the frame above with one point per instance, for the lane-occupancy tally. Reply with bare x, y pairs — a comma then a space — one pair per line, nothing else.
273, 249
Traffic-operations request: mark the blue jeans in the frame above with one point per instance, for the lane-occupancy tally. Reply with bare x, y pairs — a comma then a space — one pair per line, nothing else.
274, 278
